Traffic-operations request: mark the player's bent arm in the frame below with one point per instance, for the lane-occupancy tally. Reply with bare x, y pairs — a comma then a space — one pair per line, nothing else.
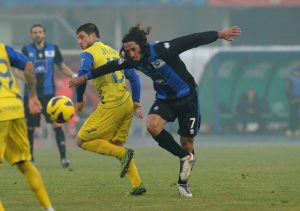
20, 74
30, 78
67, 70
135, 84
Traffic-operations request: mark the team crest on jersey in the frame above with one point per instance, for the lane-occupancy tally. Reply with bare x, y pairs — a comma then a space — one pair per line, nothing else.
30, 54
167, 45
158, 63
50, 53
121, 61
81, 62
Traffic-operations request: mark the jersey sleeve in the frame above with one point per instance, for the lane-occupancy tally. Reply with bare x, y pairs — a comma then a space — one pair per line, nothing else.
24, 51
109, 67
86, 66
58, 59
178, 45
135, 84
17, 59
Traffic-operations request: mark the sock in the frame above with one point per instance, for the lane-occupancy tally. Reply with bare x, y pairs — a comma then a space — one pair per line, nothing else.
1, 207
133, 174
179, 180
60, 140
166, 141
30, 137
104, 147
35, 182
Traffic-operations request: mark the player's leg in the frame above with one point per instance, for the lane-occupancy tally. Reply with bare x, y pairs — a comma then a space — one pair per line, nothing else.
3, 134
61, 144
97, 131
32, 122
1, 207
189, 120
120, 138
158, 116
59, 133
35, 182
17, 152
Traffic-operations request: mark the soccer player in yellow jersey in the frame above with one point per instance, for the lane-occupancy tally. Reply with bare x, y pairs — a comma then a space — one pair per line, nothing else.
14, 144
106, 129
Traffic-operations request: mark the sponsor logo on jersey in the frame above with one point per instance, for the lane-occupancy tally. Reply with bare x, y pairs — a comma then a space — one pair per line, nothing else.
158, 63
50, 53
167, 45
120, 61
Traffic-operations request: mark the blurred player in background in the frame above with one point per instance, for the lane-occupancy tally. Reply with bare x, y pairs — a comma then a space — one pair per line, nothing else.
44, 55
176, 89
293, 95
106, 129
14, 145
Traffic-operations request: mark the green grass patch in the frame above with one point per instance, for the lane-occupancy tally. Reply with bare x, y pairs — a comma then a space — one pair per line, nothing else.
224, 178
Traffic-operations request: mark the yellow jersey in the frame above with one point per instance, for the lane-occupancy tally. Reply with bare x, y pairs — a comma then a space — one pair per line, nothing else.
11, 105
111, 87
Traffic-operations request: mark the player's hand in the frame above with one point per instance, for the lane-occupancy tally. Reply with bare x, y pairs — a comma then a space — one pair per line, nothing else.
77, 81
34, 105
138, 110
229, 33
79, 106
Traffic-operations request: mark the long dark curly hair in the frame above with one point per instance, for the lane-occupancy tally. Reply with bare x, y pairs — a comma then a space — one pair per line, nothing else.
137, 34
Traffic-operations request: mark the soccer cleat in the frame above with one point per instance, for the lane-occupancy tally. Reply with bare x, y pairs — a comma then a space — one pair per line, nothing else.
125, 160
65, 163
139, 190
184, 190
186, 166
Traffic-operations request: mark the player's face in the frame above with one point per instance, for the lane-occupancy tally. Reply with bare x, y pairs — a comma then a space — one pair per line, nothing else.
38, 35
133, 50
84, 40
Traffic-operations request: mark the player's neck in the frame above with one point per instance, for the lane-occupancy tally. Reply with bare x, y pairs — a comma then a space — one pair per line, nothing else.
39, 45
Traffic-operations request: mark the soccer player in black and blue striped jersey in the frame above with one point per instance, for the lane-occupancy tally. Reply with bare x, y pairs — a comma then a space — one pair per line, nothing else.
176, 90
44, 56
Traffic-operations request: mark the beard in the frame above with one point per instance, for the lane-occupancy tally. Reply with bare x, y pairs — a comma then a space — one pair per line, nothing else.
38, 40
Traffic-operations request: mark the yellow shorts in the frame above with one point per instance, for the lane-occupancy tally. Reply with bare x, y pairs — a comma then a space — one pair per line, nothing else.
14, 144
111, 124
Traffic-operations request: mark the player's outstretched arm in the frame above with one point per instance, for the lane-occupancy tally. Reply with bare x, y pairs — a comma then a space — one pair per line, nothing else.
229, 33
109, 67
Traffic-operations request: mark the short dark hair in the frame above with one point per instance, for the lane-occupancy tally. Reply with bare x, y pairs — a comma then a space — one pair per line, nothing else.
137, 34
38, 25
88, 28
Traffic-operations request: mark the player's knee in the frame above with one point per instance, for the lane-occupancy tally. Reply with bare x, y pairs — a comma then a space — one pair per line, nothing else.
153, 128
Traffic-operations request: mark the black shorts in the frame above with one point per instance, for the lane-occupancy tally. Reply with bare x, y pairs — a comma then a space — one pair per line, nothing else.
34, 121
186, 109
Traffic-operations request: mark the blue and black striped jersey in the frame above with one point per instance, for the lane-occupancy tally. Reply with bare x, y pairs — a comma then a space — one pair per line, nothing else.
43, 60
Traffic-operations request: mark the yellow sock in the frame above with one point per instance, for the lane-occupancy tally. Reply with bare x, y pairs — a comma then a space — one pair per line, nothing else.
35, 182
1, 207
104, 147
133, 174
